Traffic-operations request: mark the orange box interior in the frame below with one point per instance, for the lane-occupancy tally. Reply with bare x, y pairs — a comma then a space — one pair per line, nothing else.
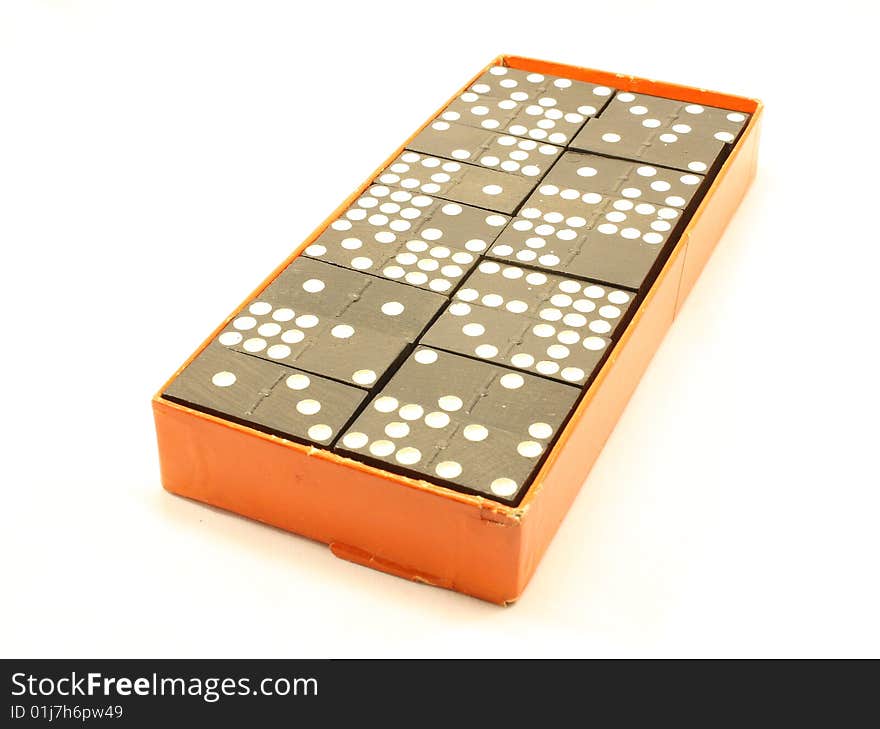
414, 528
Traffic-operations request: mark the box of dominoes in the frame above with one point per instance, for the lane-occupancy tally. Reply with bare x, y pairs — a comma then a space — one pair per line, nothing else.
425, 383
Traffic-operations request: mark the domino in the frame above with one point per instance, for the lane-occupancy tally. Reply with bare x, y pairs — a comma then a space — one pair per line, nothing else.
408, 237
529, 105
468, 424
626, 179
503, 152
331, 321
460, 182
661, 131
600, 237
542, 323
284, 401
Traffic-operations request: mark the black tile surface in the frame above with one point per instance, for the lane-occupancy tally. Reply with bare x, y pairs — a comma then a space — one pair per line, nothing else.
654, 130
460, 182
592, 173
724, 125
547, 324
332, 321
587, 235
408, 237
268, 396
531, 105
461, 422
502, 152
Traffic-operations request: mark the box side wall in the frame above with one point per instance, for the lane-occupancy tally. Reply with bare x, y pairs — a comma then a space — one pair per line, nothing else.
364, 515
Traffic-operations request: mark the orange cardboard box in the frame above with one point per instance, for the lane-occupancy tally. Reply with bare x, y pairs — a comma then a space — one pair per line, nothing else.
416, 529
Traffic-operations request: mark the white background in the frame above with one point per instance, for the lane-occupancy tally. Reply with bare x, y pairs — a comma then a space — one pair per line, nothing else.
158, 159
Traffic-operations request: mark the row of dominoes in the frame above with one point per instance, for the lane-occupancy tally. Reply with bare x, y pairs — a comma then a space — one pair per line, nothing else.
446, 323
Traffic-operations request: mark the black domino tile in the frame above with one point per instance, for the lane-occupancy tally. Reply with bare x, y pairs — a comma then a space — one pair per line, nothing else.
459, 182
531, 105
271, 397
503, 152
547, 324
332, 321
471, 425
689, 137
593, 173
408, 237
723, 125
632, 141
588, 235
